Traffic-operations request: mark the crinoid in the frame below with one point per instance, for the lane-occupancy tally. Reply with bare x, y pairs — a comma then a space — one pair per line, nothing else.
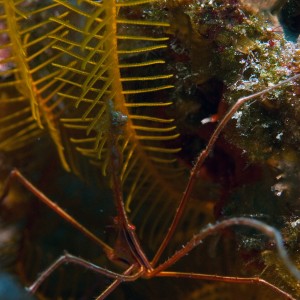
98, 79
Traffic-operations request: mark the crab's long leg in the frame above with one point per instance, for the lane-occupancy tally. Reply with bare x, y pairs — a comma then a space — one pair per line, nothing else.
201, 158
229, 279
16, 175
68, 258
118, 281
269, 231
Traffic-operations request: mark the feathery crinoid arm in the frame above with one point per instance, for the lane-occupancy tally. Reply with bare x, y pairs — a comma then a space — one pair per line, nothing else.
28, 97
17, 120
113, 68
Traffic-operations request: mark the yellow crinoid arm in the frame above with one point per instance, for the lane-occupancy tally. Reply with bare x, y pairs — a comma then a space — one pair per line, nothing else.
28, 98
113, 70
